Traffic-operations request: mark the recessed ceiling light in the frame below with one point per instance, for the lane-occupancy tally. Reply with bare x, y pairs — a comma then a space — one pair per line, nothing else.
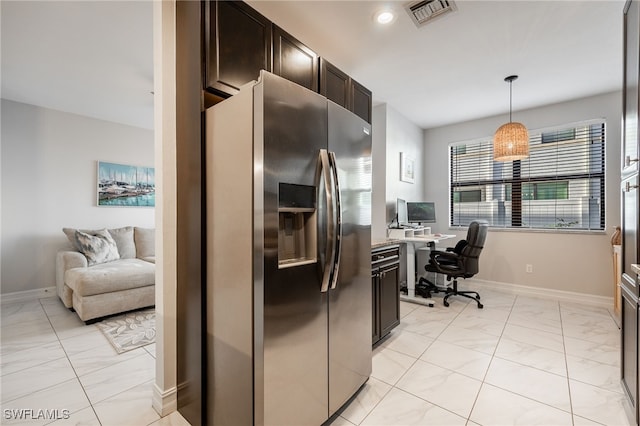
385, 17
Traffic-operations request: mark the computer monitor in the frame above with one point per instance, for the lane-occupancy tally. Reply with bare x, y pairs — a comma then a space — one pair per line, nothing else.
422, 212
401, 211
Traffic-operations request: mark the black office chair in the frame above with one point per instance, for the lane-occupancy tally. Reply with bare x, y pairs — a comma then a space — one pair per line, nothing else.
460, 261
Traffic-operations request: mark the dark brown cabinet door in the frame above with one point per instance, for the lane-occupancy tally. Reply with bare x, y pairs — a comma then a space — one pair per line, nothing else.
335, 85
375, 318
361, 100
237, 45
389, 298
629, 350
630, 207
293, 60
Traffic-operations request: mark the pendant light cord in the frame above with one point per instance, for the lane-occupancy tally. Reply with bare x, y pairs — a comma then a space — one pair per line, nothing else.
510, 99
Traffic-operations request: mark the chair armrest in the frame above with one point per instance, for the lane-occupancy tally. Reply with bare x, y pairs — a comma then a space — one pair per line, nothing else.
444, 257
66, 260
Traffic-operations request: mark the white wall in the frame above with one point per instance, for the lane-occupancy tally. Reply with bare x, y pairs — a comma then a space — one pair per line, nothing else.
393, 134
568, 262
379, 165
48, 182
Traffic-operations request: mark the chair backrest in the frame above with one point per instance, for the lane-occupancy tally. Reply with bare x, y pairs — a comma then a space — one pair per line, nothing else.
476, 236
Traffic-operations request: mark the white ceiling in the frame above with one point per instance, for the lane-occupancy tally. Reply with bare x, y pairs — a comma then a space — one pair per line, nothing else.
95, 58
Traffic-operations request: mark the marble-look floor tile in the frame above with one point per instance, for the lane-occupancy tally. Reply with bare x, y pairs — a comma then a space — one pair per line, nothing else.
401, 408
604, 376
594, 351
389, 365
338, 421
476, 323
462, 360
21, 313
90, 340
406, 308
408, 343
176, 419
69, 324
500, 314
371, 394
581, 421
151, 349
470, 339
530, 382
445, 388
132, 406
496, 406
68, 396
536, 322
535, 337
20, 360
598, 404
100, 357
604, 335
117, 378
418, 325
26, 382
25, 336
86, 417
531, 355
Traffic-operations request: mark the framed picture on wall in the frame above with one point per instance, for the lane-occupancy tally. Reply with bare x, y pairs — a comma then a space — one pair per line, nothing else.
407, 168
121, 185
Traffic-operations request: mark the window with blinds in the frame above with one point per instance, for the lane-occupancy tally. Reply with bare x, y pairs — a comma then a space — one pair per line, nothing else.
560, 186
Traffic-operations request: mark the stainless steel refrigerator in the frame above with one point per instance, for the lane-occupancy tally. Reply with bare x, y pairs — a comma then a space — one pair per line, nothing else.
288, 223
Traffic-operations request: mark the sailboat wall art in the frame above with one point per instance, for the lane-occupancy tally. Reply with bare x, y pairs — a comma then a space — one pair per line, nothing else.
122, 185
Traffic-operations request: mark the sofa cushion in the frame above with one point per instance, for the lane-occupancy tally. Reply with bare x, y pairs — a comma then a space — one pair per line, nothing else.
98, 248
113, 276
124, 240
145, 239
122, 236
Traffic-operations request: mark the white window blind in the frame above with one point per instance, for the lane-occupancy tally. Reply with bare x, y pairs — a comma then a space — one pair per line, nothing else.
560, 185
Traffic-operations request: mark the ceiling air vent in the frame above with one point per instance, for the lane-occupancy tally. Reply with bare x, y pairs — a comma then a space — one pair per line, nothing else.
427, 10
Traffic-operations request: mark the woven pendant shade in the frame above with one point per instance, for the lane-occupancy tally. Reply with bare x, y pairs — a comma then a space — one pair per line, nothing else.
511, 142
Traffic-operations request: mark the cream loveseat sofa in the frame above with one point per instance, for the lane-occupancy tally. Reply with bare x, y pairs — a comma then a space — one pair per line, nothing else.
110, 271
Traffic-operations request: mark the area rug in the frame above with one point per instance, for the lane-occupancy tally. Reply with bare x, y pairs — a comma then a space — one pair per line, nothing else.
129, 331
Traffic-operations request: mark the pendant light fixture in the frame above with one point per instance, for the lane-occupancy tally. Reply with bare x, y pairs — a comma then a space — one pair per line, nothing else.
511, 141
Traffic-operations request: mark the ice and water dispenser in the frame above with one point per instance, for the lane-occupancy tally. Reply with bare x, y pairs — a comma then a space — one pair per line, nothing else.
297, 229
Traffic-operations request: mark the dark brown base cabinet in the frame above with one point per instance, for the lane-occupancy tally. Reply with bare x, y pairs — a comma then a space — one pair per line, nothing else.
385, 288
629, 348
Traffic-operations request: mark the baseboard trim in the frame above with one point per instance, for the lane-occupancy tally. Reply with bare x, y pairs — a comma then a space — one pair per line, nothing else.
27, 295
546, 293
165, 402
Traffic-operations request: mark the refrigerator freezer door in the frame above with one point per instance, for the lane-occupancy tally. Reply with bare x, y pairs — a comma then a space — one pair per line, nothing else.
350, 302
295, 365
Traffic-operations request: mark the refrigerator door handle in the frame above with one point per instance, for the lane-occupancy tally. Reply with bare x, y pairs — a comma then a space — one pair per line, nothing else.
325, 169
338, 217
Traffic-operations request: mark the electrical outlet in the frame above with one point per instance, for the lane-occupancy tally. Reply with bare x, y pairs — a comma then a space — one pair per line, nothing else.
529, 268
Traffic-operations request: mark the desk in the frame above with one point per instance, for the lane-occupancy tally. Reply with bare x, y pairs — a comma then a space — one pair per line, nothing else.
411, 237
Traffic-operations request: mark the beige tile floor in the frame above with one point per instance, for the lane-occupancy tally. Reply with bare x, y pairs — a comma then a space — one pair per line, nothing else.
520, 360
51, 360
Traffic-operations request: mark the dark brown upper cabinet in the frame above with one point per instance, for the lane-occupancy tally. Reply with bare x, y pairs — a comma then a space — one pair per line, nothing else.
335, 85
361, 101
338, 87
238, 43
293, 60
